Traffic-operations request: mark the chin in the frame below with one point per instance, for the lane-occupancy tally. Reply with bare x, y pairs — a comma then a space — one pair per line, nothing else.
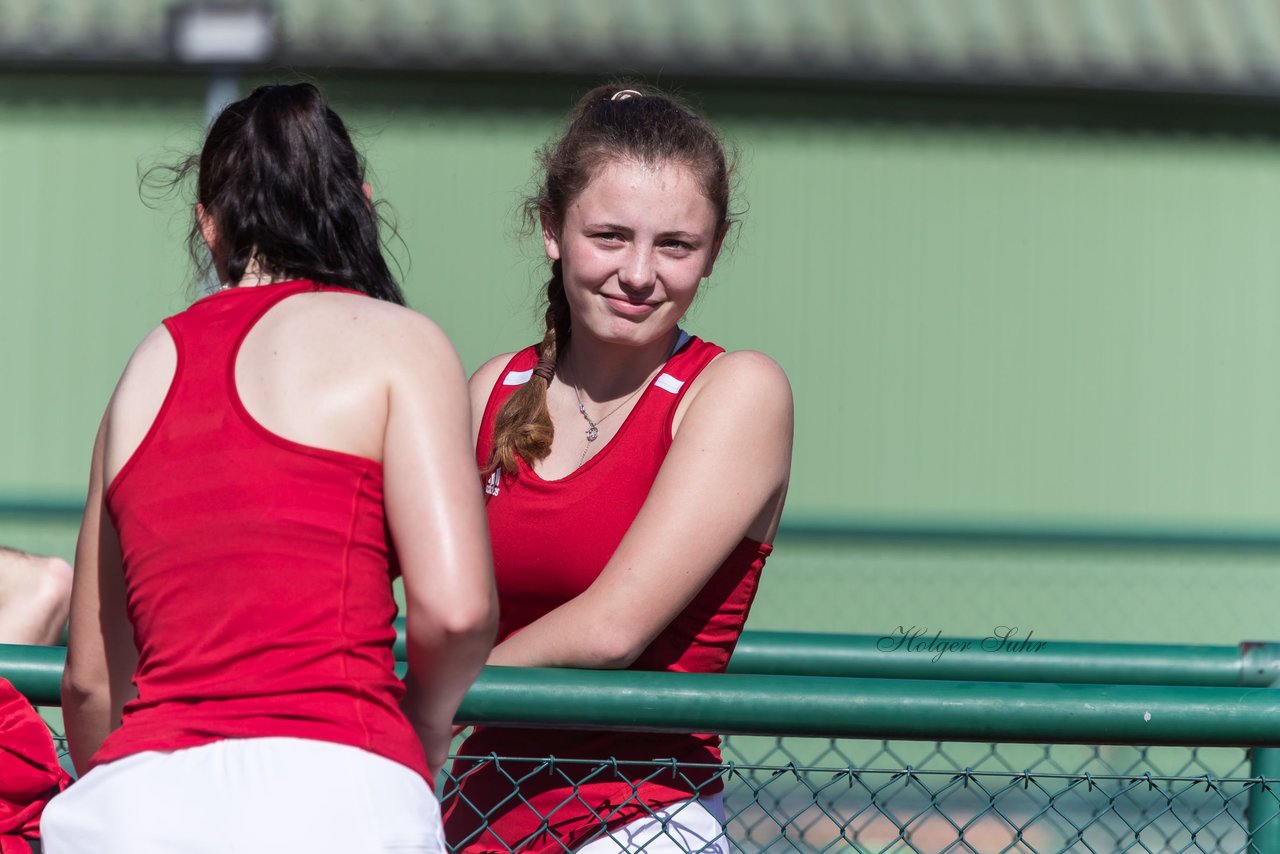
635, 335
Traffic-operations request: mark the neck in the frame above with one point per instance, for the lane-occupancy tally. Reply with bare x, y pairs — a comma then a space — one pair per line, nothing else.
253, 276
604, 372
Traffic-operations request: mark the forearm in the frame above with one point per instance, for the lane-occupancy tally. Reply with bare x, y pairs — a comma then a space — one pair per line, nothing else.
87, 719
572, 635
438, 679
442, 666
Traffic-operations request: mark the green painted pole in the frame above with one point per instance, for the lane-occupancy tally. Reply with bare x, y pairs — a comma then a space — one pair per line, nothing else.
1008, 657
933, 710
842, 706
828, 706
1264, 801
991, 659
1261, 662
36, 671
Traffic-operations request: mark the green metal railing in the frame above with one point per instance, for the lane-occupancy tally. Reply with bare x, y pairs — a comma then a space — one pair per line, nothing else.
910, 709
994, 659
794, 783
826, 706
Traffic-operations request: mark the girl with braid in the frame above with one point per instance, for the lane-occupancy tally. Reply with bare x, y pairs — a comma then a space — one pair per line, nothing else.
635, 476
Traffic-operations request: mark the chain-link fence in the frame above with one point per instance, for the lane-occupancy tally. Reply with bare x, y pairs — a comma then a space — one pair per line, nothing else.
915, 796
815, 795
946, 798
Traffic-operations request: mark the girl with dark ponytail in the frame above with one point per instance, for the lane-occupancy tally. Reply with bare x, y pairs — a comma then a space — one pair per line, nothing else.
635, 476
230, 683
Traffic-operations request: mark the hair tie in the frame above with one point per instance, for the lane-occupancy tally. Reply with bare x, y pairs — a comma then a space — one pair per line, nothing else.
546, 369
624, 94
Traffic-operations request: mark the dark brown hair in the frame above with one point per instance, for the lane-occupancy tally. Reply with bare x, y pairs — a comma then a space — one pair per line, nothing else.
284, 184
611, 122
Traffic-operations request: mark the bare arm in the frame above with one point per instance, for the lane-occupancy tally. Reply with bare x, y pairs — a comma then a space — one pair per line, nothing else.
436, 514
35, 593
724, 478
101, 657
480, 387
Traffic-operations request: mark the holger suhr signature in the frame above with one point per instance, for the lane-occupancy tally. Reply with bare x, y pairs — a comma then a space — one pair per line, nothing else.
919, 640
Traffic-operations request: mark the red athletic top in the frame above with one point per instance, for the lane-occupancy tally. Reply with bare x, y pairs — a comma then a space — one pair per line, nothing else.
550, 541
257, 570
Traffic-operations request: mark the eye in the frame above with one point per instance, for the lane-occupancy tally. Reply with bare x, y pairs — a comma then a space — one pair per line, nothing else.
675, 245
607, 236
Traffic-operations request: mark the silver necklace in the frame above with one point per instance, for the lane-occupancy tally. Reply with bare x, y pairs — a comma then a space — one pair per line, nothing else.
593, 430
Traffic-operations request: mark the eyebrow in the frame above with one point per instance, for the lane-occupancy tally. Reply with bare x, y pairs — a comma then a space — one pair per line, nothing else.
610, 226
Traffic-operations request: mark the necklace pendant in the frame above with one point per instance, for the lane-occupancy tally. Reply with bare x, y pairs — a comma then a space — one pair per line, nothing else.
592, 433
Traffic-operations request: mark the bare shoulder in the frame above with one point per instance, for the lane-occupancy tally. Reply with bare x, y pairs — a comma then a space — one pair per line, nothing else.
397, 333
416, 329
746, 375
137, 398
154, 356
486, 376
380, 315
736, 386
481, 386
158, 343
749, 366
157, 339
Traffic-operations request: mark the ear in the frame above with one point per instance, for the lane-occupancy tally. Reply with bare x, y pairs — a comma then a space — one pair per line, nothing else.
550, 237
716, 246
368, 190
208, 228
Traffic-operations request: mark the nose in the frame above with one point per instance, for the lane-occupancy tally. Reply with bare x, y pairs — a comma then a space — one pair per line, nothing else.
637, 271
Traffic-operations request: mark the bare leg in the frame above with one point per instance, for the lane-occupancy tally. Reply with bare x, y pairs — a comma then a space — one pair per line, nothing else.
34, 595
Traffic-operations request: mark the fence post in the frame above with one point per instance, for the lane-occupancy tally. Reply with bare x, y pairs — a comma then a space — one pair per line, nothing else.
1260, 664
1264, 802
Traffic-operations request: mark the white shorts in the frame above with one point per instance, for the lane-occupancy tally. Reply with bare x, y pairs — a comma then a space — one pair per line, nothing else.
245, 796
695, 825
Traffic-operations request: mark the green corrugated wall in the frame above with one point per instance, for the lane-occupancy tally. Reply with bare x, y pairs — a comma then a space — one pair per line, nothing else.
990, 313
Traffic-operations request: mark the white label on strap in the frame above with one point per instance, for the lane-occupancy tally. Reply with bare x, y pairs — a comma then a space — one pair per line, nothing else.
666, 382
517, 377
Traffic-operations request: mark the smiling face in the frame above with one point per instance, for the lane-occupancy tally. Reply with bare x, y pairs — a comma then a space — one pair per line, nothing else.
634, 245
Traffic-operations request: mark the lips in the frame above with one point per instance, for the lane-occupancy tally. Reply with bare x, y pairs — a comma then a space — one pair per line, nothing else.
627, 308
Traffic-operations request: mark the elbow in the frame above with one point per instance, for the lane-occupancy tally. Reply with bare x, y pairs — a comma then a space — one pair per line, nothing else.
86, 683
612, 647
460, 622
81, 690
478, 622
610, 659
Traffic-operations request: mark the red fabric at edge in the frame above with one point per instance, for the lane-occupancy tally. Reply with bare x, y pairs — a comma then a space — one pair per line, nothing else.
30, 774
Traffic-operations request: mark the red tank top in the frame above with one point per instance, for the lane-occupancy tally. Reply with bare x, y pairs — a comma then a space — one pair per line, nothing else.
550, 541
257, 570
